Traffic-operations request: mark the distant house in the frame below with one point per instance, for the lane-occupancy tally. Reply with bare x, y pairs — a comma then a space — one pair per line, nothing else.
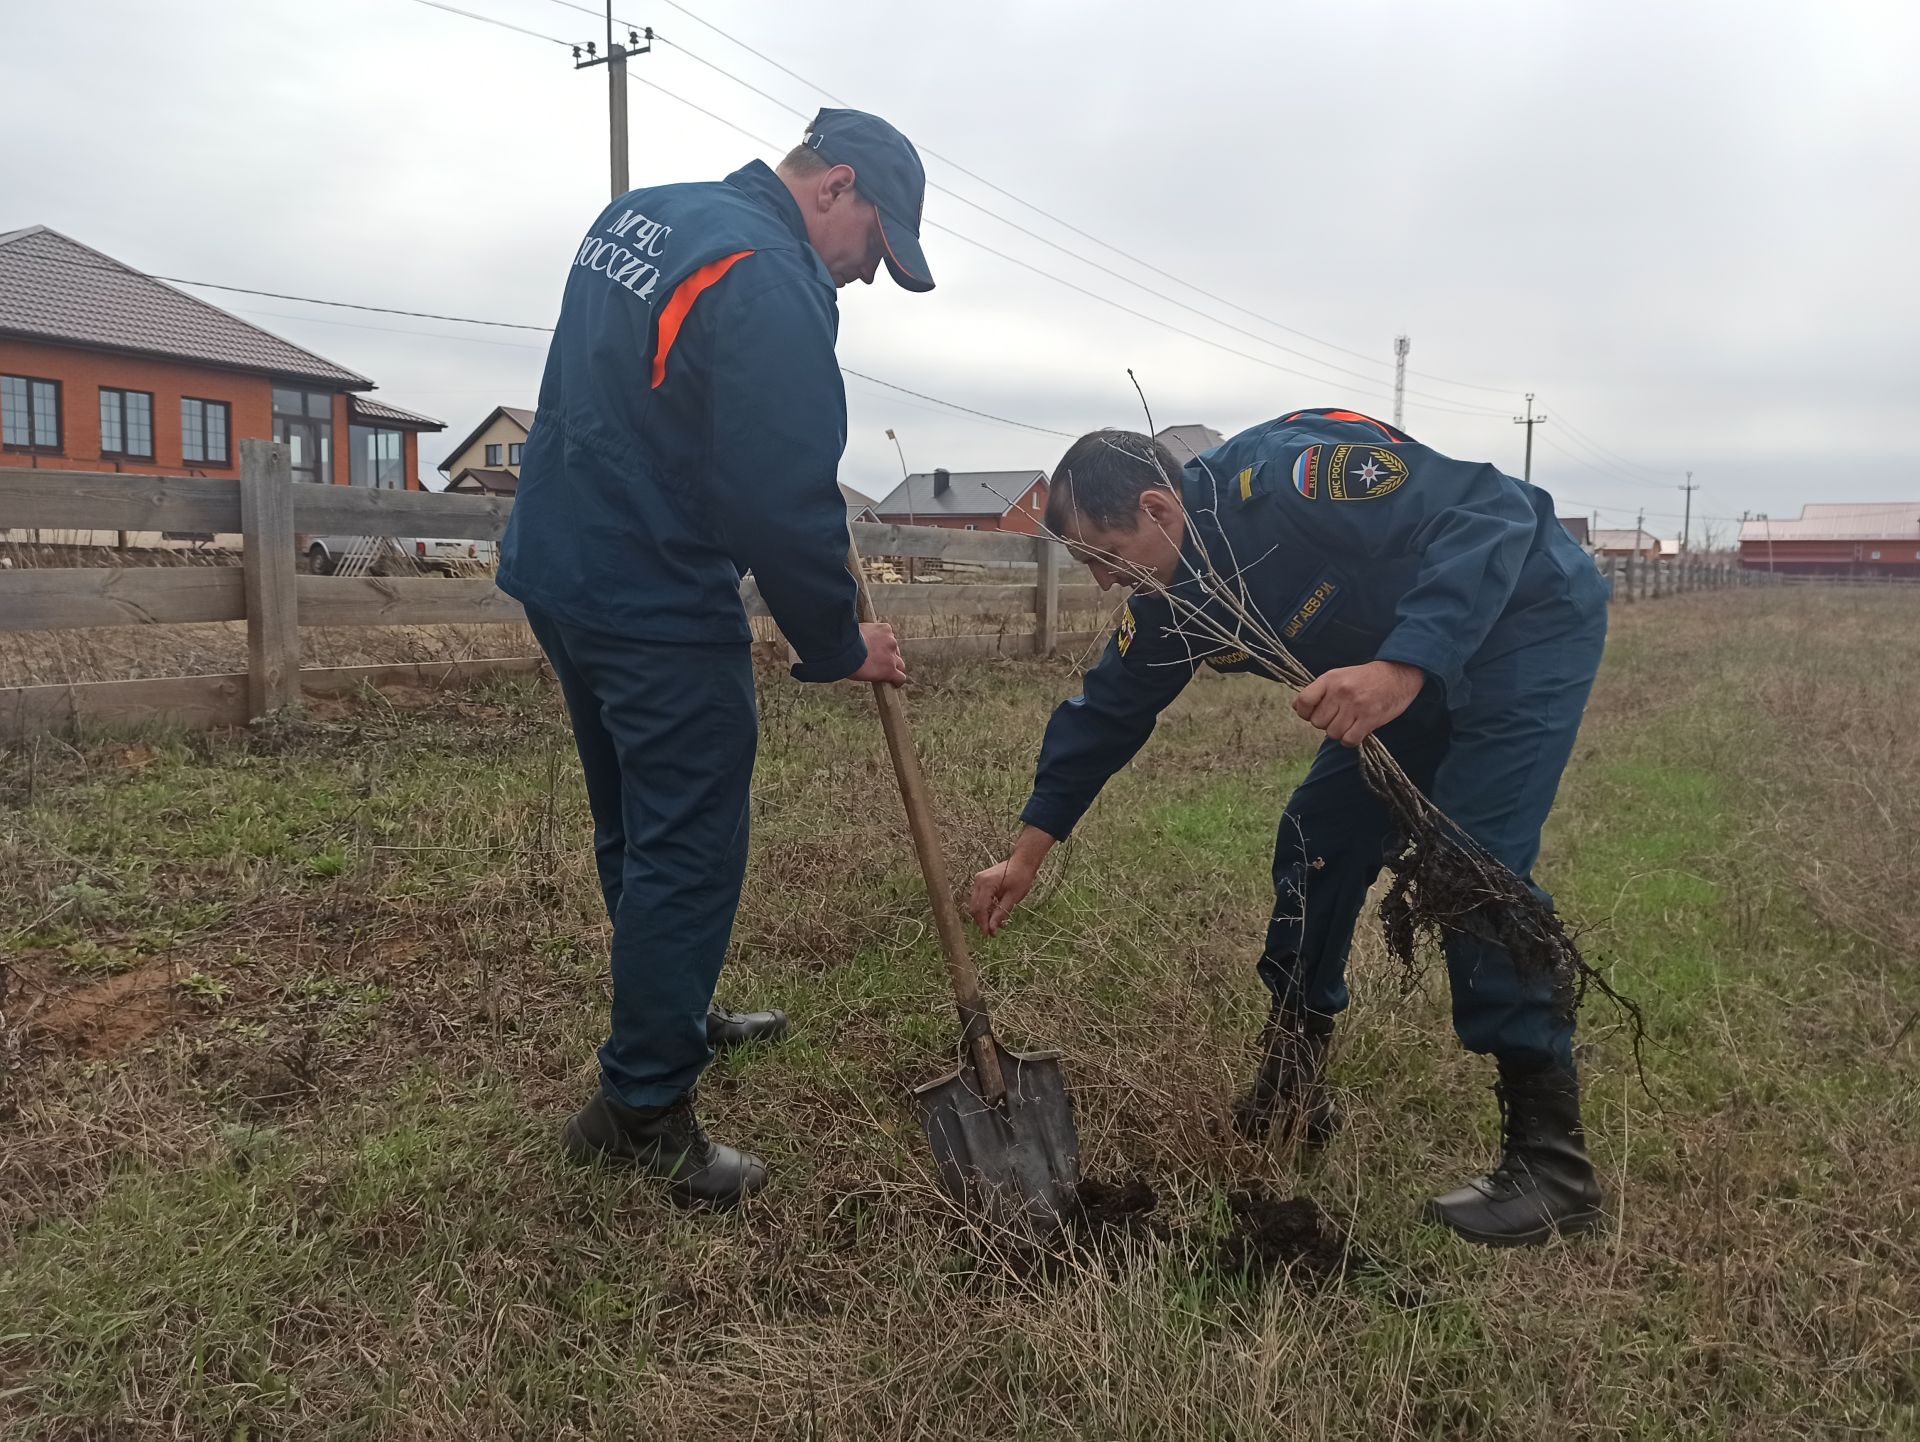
105, 368
969, 500
1575, 526
1875, 538
1186, 442
482, 481
1625, 543
487, 462
859, 508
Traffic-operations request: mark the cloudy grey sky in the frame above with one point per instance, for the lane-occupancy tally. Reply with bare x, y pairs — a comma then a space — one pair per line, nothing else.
1689, 227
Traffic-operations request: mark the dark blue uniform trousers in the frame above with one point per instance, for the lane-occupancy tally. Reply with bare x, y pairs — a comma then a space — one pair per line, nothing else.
1493, 765
666, 733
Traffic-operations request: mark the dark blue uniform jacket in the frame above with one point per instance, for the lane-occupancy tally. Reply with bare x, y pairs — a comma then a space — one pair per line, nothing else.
690, 427
1356, 544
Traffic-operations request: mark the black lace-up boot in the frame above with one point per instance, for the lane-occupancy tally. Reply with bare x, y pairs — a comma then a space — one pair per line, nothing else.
665, 1142
1544, 1182
1290, 1084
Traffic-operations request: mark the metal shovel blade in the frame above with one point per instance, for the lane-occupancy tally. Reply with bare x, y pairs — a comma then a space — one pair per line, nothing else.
1016, 1167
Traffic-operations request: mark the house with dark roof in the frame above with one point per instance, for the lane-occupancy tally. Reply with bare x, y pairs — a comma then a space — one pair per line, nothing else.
103, 367
859, 508
487, 462
969, 500
1575, 526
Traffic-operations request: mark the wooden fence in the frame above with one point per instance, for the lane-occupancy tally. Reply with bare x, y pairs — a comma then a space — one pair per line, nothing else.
1634, 579
268, 510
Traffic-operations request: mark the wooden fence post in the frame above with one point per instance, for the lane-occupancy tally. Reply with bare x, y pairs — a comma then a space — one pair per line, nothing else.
1632, 578
266, 531
1046, 597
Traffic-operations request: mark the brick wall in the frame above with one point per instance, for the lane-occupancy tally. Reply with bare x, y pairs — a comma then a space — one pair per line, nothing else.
82, 375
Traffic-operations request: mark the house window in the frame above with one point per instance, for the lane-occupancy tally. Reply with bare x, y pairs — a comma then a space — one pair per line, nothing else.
29, 413
126, 423
513, 453
376, 458
969, 527
204, 426
493, 455
303, 423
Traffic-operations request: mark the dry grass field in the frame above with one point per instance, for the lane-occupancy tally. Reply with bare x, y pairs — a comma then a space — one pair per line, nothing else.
294, 1014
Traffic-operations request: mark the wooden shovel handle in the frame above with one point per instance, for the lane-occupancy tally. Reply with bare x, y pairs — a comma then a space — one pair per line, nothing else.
976, 1030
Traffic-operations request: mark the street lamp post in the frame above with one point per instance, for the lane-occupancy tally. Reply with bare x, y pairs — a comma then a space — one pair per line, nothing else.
906, 484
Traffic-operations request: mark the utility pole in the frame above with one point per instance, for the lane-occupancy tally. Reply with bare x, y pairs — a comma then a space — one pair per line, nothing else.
616, 62
1686, 525
1401, 345
1529, 420
1639, 525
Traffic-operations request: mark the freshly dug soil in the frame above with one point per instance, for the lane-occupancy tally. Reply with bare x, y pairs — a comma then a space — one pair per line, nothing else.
1269, 1238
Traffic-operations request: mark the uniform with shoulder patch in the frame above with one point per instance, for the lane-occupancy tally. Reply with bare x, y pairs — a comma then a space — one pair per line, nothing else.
1356, 543
690, 427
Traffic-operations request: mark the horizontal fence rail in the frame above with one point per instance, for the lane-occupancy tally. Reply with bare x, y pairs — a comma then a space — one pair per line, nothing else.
274, 516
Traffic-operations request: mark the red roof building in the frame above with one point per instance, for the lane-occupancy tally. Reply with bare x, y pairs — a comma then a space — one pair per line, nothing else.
1875, 538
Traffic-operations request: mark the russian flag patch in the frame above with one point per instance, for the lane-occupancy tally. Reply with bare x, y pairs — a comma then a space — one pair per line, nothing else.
1306, 472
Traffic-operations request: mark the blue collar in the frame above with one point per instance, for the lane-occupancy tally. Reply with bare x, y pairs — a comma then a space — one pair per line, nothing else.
757, 181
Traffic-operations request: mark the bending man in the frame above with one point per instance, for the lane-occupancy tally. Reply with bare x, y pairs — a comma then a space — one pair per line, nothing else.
1439, 603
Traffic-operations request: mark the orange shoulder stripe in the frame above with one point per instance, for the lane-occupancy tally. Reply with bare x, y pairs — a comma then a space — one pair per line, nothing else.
675, 313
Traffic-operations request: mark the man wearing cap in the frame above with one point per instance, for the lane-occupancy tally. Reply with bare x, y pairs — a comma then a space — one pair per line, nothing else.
690, 427
1440, 604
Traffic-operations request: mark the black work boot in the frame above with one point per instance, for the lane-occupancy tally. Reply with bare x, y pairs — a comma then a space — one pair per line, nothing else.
1544, 1182
666, 1142
1292, 1081
736, 1028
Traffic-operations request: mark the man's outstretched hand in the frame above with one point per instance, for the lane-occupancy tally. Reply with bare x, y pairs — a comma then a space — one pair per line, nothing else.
884, 662
999, 889
1352, 702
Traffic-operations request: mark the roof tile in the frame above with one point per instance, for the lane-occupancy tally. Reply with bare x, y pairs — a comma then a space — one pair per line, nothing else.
56, 289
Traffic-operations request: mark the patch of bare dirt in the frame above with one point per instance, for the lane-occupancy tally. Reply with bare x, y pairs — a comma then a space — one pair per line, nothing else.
104, 1018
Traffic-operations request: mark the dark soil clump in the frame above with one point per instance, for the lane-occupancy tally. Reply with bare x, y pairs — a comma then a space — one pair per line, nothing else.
1268, 1239
1284, 1236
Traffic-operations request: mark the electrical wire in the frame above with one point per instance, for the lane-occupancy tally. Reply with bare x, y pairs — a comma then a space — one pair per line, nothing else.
762, 140
1561, 418
1049, 215
489, 20
1068, 251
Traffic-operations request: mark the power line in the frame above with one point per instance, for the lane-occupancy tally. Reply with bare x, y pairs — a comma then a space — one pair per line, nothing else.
1619, 477
1030, 205
548, 330
1665, 475
1032, 234
346, 304
1444, 404
1049, 275
489, 20
952, 406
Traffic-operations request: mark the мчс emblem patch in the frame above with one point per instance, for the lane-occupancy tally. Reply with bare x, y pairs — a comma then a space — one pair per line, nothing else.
1363, 473
1123, 638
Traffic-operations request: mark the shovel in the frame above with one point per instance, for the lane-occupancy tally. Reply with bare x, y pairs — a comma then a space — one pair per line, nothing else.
1000, 1124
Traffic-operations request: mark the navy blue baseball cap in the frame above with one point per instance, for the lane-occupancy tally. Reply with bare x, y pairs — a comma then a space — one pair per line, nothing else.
888, 172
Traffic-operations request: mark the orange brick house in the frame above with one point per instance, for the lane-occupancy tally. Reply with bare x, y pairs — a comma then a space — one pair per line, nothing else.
969, 500
103, 368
